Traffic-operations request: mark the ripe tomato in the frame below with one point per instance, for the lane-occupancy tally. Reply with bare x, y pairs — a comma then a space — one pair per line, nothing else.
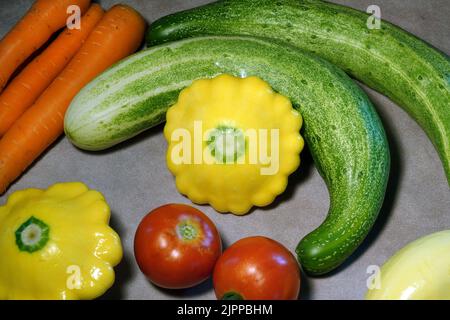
176, 246
257, 268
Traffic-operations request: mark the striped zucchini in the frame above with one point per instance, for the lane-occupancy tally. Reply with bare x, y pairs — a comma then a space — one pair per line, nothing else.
389, 60
341, 127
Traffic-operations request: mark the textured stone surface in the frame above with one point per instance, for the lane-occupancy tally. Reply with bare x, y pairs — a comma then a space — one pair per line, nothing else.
134, 178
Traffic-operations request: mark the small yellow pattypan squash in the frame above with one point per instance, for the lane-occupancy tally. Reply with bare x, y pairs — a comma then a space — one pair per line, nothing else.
232, 143
56, 244
418, 271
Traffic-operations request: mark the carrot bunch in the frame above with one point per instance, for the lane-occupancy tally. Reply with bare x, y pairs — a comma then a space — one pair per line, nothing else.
43, 19
24, 89
33, 105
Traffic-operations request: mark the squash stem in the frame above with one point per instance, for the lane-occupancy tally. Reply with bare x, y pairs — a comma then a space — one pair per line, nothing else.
32, 235
226, 144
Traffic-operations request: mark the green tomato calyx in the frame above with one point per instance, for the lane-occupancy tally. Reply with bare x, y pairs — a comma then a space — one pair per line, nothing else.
187, 231
232, 296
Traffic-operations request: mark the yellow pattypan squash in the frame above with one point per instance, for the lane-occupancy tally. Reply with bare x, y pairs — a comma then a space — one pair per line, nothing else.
232, 143
418, 271
56, 244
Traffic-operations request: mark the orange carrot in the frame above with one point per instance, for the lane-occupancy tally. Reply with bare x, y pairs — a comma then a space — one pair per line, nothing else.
32, 31
23, 91
117, 35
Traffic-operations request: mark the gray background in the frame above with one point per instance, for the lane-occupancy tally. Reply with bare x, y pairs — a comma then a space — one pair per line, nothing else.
134, 178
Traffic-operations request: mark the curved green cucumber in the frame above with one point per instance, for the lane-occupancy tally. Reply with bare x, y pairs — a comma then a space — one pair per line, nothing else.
409, 71
341, 127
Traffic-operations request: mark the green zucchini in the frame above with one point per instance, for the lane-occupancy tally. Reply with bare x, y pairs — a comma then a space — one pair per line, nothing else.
341, 127
409, 71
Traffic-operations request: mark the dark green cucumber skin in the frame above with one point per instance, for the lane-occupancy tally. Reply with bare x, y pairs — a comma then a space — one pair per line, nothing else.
390, 60
341, 127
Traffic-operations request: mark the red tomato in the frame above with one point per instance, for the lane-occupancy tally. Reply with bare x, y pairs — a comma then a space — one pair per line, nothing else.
176, 246
257, 268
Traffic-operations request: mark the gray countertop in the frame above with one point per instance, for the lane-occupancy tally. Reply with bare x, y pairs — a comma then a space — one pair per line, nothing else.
134, 179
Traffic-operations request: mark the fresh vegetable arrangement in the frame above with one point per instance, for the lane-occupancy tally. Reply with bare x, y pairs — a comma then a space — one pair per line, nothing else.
390, 60
46, 235
341, 127
239, 83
